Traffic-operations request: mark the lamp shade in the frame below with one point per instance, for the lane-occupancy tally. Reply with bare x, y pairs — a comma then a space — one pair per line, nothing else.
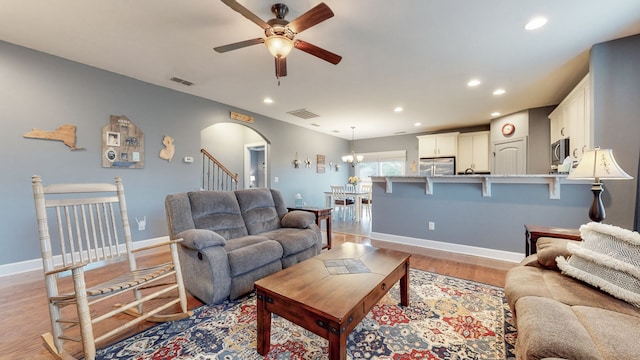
598, 164
278, 45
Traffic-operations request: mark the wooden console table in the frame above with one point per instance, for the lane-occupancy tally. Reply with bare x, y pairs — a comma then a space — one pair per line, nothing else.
533, 232
321, 214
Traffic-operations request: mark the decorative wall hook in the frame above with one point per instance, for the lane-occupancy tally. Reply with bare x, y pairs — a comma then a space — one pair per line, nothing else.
296, 162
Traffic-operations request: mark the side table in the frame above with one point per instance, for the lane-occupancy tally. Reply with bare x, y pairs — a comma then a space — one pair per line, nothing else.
321, 214
533, 232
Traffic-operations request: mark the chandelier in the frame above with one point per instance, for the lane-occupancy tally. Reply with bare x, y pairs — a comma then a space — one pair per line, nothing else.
352, 158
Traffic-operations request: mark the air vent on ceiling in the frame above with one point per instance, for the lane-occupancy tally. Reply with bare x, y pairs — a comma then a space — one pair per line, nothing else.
303, 114
182, 81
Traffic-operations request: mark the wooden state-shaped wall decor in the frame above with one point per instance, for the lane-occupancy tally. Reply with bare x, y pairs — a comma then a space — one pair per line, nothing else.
65, 133
122, 144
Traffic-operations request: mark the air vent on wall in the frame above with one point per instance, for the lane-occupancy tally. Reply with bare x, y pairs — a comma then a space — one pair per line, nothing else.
182, 81
303, 114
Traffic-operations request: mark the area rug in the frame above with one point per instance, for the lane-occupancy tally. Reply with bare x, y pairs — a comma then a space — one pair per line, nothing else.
447, 318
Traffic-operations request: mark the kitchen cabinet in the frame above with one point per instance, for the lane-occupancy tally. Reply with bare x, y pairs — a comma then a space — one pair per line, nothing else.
473, 151
438, 145
573, 119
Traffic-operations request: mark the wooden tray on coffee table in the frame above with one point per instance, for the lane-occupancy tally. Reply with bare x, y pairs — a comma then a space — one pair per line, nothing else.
331, 293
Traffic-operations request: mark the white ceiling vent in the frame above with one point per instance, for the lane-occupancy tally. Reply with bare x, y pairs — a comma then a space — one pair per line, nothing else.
182, 81
303, 114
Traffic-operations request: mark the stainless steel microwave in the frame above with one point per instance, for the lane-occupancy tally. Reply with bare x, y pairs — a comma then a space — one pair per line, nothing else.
559, 151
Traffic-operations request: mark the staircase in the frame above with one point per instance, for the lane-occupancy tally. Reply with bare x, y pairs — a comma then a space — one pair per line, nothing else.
216, 176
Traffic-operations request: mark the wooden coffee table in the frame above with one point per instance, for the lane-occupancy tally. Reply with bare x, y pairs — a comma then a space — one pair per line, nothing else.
331, 293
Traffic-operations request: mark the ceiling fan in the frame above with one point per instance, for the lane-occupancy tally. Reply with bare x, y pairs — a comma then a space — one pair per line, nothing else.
280, 34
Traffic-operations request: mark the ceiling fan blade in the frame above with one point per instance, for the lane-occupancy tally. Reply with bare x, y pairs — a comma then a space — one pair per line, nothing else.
281, 67
238, 45
312, 17
318, 52
246, 13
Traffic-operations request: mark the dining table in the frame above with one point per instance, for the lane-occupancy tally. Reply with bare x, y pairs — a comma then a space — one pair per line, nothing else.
357, 198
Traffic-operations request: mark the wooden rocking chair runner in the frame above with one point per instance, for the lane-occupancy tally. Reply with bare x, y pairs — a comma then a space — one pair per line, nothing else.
90, 228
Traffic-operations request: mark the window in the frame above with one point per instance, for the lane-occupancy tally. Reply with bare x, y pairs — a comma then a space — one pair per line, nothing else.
386, 163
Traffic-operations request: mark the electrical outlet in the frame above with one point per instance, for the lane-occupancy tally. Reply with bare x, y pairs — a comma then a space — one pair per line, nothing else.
276, 179
432, 225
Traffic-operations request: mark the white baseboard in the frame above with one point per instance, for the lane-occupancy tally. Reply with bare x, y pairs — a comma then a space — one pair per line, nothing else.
454, 248
36, 264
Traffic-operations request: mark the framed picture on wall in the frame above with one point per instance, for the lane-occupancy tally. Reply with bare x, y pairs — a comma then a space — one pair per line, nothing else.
113, 138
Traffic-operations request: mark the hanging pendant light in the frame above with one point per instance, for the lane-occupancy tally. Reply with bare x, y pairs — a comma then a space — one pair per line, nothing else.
352, 158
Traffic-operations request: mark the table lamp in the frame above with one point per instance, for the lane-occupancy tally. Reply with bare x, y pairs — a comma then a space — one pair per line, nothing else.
598, 164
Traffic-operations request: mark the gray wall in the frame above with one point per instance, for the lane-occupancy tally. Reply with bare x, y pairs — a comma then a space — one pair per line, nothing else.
615, 82
539, 156
43, 91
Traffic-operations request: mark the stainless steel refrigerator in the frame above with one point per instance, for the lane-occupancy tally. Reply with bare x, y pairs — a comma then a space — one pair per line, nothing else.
438, 166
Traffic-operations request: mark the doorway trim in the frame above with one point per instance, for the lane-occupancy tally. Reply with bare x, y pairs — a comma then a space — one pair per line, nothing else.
248, 148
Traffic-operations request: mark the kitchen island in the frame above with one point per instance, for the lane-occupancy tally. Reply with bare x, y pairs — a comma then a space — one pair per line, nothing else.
481, 215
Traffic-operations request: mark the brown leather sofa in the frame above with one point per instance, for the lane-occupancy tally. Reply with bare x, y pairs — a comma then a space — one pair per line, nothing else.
559, 317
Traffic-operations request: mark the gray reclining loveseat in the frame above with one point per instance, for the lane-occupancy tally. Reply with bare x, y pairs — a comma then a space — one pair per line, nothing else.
233, 238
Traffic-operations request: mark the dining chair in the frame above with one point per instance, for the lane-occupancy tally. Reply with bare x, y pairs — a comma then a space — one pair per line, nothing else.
89, 229
367, 200
341, 201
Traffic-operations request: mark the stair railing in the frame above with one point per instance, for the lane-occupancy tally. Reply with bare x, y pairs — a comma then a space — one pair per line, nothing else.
216, 176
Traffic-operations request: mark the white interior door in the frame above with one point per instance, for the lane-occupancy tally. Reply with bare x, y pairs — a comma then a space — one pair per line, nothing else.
510, 157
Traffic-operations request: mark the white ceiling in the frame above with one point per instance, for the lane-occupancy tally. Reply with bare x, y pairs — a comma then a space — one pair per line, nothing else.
416, 54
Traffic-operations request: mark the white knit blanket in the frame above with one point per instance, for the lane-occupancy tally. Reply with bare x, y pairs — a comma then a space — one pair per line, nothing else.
609, 258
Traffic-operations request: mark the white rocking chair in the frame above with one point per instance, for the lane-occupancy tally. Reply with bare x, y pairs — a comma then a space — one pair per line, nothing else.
90, 228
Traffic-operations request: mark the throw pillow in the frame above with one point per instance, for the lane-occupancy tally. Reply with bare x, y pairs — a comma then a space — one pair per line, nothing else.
607, 258
548, 249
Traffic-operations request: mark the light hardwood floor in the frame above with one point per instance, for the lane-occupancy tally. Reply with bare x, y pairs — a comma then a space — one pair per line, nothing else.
23, 306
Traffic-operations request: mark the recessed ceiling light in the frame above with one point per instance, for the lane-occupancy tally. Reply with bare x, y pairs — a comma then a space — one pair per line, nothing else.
398, 109
536, 23
494, 114
473, 82
499, 91
417, 124
268, 100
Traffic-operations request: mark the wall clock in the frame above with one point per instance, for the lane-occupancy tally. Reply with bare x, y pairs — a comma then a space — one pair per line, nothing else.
508, 129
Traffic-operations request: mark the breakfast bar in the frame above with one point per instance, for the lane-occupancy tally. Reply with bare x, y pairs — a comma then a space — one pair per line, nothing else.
479, 215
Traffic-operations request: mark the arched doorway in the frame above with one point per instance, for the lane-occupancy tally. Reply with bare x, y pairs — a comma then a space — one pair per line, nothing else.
241, 149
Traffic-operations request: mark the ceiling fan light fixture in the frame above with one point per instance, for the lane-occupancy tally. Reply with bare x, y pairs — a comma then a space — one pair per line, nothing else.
279, 46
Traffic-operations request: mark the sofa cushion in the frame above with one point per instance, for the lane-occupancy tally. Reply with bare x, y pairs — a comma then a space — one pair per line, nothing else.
258, 210
523, 281
218, 211
293, 240
199, 239
549, 329
608, 258
298, 219
251, 252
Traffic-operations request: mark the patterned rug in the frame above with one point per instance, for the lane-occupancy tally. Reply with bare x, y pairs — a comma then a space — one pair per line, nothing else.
447, 318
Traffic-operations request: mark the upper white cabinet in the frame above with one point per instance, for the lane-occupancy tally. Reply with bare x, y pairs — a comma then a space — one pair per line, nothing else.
473, 151
573, 119
438, 145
